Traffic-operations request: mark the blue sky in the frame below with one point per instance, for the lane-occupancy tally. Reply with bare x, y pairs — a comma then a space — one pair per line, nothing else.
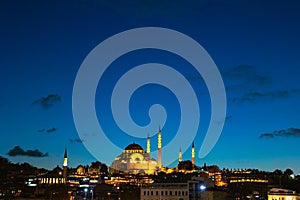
255, 45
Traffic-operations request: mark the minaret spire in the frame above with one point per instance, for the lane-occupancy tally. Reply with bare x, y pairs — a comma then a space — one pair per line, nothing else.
193, 154
180, 155
159, 145
148, 144
65, 165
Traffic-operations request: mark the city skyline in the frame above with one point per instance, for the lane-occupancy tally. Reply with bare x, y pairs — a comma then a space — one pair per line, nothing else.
254, 45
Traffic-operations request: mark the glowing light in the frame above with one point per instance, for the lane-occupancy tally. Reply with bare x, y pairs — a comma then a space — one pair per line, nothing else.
148, 144
159, 140
202, 187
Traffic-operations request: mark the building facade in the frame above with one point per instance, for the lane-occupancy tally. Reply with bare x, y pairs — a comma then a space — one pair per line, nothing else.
134, 160
282, 194
165, 191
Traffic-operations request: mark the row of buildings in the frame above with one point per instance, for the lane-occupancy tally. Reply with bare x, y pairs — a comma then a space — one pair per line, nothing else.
134, 175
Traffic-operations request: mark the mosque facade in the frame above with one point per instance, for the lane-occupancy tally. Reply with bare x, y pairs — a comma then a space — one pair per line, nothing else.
134, 159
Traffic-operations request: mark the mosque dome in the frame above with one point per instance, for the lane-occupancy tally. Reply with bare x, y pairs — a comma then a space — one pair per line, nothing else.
134, 147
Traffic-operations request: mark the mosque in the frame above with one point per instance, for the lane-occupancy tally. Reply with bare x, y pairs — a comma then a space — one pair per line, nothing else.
135, 160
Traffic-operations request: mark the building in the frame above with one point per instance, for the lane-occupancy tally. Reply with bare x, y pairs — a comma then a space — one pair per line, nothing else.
57, 175
246, 183
282, 194
194, 189
134, 160
166, 191
53, 177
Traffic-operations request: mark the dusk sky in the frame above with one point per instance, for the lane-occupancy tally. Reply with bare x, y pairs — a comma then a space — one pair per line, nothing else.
254, 44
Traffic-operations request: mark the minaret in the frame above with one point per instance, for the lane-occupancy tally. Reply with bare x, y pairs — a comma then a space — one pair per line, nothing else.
193, 154
148, 145
180, 155
159, 148
65, 165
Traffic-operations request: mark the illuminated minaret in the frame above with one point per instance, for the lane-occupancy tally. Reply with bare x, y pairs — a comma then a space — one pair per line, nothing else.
193, 154
180, 155
159, 148
148, 145
65, 165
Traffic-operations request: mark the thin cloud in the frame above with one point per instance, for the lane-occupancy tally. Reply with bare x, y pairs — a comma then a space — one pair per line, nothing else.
48, 101
240, 79
290, 132
254, 96
76, 140
18, 151
245, 76
227, 119
51, 130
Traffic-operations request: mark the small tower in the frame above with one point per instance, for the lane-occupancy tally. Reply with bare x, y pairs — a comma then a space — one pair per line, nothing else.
180, 155
65, 165
193, 154
148, 144
159, 145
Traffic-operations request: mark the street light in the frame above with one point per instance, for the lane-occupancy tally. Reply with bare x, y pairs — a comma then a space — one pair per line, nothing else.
85, 192
92, 191
202, 187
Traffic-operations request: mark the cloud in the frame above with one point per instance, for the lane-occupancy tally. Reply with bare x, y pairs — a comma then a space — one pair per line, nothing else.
240, 79
228, 118
18, 151
254, 96
290, 132
245, 76
76, 140
51, 130
48, 101
268, 135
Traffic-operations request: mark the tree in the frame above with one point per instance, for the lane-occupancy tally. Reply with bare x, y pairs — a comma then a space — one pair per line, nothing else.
104, 168
277, 172
288, 172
